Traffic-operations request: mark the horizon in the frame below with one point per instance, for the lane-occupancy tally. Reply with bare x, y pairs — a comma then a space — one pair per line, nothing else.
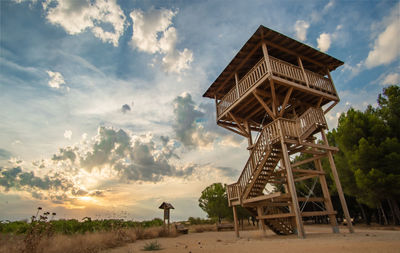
102, 102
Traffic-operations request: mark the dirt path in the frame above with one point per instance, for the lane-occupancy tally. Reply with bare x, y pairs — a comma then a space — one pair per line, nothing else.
319, 239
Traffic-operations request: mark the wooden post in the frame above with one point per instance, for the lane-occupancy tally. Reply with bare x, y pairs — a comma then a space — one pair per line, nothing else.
338, 184
330, 78
292, 187
304, 72
237, 85
266, 57
261, 223
327, 197
235, 219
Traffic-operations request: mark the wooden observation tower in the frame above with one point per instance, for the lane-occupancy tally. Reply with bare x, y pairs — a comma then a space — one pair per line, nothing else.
272, 93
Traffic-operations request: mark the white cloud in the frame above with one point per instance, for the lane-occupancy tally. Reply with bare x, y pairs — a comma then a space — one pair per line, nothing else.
387, 45
301, 27
56, 79
391, 79
77, 16
328, 5
153, 33
324, 41
68, 134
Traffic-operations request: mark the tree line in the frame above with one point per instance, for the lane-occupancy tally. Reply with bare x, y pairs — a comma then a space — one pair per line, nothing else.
368, 163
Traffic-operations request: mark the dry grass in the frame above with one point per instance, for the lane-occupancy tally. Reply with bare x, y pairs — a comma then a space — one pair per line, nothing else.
85, 243
202, 228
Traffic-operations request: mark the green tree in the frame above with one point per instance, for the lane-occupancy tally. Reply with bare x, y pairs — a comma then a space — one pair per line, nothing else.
214, 201
369, 157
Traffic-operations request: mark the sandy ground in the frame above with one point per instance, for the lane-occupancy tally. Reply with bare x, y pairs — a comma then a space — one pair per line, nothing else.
319, 238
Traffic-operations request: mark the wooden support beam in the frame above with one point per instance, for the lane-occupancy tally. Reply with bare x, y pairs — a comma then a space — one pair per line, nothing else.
305, 161
298, 179
313, 172
292, 187
275, 216
261, 101
266, 57
327, 197
319, 102
302, 70
245, 133
262, 223
318, 213
231, 129
331, 106
313, 145
330, 78
338, 184
263, 197
235, 219
274, 102
285, 101
314, 199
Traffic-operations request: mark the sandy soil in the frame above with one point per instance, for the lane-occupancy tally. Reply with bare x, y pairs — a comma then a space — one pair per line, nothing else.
319, 239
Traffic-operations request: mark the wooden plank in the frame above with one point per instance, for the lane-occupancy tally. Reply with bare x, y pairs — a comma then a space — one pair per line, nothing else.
298, 179
313, 145
313, 172
263, 197
317, 213
285, 101
261, 101
305, 161
275, 216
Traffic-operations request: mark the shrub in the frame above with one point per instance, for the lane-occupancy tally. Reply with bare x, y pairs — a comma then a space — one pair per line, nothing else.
153, 245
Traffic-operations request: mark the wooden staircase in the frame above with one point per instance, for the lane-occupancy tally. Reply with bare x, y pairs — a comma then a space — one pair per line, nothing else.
261, 168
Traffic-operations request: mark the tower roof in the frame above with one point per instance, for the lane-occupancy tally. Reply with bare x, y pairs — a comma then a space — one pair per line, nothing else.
280, 46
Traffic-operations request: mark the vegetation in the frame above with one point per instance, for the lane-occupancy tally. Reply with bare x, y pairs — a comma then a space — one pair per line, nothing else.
153, 245
369, 156
73, 226
214, 202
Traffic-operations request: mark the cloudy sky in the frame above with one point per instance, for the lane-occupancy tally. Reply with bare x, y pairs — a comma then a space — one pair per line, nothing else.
102, 112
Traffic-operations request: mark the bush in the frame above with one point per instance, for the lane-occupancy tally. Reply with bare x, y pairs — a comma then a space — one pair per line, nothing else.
150, 246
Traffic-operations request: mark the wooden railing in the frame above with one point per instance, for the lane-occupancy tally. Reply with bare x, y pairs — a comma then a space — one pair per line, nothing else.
252, 77
319, 82
278, 68
310, 117
233, 191
286, 69
269, 135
